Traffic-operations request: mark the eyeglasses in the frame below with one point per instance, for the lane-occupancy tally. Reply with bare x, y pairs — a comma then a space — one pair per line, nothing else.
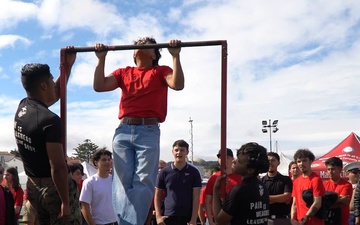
355, 172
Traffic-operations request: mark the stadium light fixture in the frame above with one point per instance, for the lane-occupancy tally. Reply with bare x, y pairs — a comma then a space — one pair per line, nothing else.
268, 126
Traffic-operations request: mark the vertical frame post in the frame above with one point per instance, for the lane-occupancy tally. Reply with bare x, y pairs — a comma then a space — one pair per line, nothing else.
63, 107
223, 114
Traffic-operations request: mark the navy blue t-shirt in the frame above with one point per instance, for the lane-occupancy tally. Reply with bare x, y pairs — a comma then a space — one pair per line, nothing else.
179, 185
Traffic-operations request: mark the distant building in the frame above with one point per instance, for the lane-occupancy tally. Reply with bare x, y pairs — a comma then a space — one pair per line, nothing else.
9, 160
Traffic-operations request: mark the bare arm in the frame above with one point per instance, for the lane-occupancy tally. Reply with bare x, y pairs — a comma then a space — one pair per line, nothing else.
293, 210
341, 201
195, 205
312, 210
176, 80
70, 60
59, 174
85, 210
315, 206
221, 217
208, 209
17, 209
102, 83
157, 203
201, 214
281, 198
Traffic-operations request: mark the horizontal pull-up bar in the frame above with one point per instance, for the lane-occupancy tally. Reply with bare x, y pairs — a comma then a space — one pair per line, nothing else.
223, 43
147, 46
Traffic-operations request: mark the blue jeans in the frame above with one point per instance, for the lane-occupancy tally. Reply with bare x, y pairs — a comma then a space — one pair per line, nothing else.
352, 219
136, 150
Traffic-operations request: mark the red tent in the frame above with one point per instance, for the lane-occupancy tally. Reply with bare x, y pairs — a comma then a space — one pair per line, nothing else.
348, 151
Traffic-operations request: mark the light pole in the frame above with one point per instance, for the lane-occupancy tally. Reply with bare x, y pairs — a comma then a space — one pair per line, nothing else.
191, 140
267, 126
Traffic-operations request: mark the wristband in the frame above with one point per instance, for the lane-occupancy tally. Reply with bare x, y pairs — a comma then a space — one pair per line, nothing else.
304, 219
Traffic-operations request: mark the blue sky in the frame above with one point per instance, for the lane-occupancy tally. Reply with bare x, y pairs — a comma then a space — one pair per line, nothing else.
295, 61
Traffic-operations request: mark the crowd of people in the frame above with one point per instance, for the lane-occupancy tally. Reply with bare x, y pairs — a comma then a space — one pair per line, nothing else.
300, 197
131, 187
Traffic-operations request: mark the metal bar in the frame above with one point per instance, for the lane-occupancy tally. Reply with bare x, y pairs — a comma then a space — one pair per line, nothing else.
63, 108
147, 46
223, 114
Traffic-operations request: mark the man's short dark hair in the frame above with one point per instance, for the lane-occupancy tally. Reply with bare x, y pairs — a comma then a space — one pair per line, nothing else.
304, 153
76, 166
215, 169
258, 158
97, 155
149, 40
274, 154
33, 74
181, 143
334, 161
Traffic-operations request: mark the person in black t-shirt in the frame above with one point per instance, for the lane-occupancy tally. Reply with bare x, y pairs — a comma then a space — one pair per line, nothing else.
38, 132
248, 202
280, 189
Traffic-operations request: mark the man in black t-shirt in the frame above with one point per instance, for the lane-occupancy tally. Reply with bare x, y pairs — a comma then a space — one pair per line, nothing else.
37, 131
280, 189
248, 202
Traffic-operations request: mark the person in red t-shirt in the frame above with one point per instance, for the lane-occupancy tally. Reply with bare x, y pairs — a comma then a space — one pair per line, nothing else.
232, 180
136, 142
334, 166
13, 184
202, 211
308, 180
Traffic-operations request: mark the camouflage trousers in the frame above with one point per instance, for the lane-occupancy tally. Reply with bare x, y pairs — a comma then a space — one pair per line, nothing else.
44, 198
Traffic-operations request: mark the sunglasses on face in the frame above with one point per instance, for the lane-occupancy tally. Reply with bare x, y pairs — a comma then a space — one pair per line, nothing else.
355, 172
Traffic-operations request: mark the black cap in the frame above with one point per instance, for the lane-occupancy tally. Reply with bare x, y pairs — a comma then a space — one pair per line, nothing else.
228, 153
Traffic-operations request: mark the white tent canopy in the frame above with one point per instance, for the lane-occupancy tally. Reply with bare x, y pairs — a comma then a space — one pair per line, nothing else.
22, 179
89, 170
283, 168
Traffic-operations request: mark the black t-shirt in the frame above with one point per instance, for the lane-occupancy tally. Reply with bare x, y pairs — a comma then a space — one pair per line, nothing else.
248, 203
278, 185
34, 126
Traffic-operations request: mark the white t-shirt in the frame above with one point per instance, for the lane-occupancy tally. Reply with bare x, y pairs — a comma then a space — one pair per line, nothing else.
97, 192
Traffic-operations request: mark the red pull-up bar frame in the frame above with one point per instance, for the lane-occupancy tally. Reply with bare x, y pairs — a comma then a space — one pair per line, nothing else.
223, 43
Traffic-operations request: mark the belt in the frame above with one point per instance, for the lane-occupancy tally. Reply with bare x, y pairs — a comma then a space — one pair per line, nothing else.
279, 217
37, 179
114, 223
139, 121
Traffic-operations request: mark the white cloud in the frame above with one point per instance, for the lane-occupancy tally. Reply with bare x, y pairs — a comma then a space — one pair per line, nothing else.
14, 12
99, 17
296, 61
11, 40
2, 74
